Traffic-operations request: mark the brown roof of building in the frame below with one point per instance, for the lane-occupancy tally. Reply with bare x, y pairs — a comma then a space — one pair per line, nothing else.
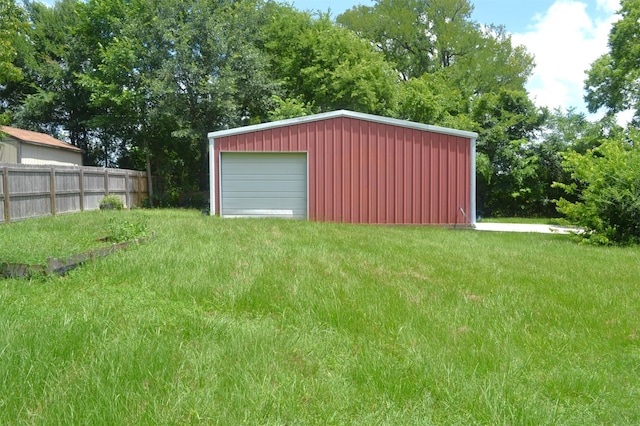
28, 136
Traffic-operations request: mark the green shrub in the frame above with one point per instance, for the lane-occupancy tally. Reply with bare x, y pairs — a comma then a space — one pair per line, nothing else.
607, 183
112, 202
120, 230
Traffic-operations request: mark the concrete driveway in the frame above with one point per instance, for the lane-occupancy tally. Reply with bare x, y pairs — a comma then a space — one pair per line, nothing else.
525, 227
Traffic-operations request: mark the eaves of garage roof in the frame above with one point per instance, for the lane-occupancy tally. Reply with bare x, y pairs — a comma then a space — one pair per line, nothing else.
340, 114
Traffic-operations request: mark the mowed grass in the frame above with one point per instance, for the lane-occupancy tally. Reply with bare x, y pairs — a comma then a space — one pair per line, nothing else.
286, 322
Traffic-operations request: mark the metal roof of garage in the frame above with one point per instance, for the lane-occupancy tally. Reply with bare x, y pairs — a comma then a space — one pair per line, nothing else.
345, 114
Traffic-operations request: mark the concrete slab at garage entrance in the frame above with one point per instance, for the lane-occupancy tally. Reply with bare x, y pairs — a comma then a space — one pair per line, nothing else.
525, 227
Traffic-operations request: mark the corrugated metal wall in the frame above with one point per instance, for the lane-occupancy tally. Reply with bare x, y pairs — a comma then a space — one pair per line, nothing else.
367, 172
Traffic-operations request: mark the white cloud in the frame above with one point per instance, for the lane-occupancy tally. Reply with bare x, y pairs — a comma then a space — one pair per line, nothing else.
565, 41
608, 6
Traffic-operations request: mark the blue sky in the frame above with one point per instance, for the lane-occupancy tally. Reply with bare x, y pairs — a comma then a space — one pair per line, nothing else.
565, 37
516, 15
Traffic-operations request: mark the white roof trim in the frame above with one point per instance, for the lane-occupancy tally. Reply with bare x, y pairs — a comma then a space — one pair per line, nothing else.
342, 113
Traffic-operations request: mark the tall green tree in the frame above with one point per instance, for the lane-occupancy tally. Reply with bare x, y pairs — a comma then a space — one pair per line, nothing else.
169, 72
507, 122
563, 132
612, 81
11, 27
435, 98
494, 63
606, 177
417, 36
426, 36
13, 31
327, 66
49, 98
446, 96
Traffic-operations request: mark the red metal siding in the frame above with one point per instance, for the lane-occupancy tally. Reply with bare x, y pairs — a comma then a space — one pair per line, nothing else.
366, 172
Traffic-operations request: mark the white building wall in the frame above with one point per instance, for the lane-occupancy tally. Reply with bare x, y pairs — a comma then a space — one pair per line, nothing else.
9, 151
38, 154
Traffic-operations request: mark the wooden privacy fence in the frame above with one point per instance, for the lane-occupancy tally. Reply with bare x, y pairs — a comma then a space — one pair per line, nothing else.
32, 191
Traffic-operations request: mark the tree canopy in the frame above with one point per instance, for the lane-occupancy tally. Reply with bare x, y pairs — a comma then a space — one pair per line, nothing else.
12, 35
612, 81
11, 30
603, 194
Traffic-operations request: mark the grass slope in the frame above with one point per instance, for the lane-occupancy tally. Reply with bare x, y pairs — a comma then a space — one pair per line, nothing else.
286, 322
34, 241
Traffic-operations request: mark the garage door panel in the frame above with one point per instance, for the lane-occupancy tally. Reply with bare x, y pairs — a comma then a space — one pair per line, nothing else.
290, 203
282, 171
263, 177
261, 205
264, 185
275, 196
268, 168
275, 168
267, 213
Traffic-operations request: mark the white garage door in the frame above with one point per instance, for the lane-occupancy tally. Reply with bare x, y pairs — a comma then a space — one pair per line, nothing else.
263, 184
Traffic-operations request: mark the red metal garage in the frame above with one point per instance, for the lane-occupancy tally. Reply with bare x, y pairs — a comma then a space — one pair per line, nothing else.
344, 166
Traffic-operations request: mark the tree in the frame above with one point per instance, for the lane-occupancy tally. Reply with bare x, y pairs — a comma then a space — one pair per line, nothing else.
417, 36
612, 81
12, 31
507, 122
606, 177
328, 66
289, 108
426, 36
11, 27
435, 99
493, 64
606, 181
49, 98
169, 72
561, 133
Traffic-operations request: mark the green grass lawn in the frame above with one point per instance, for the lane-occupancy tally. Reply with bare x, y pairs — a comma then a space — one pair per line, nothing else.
34, 241
288, 322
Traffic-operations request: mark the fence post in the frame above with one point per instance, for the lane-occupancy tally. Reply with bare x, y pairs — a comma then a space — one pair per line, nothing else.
81, 190
139, 184
52, 187
5, 194
106, 181
149, 180
127, 190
